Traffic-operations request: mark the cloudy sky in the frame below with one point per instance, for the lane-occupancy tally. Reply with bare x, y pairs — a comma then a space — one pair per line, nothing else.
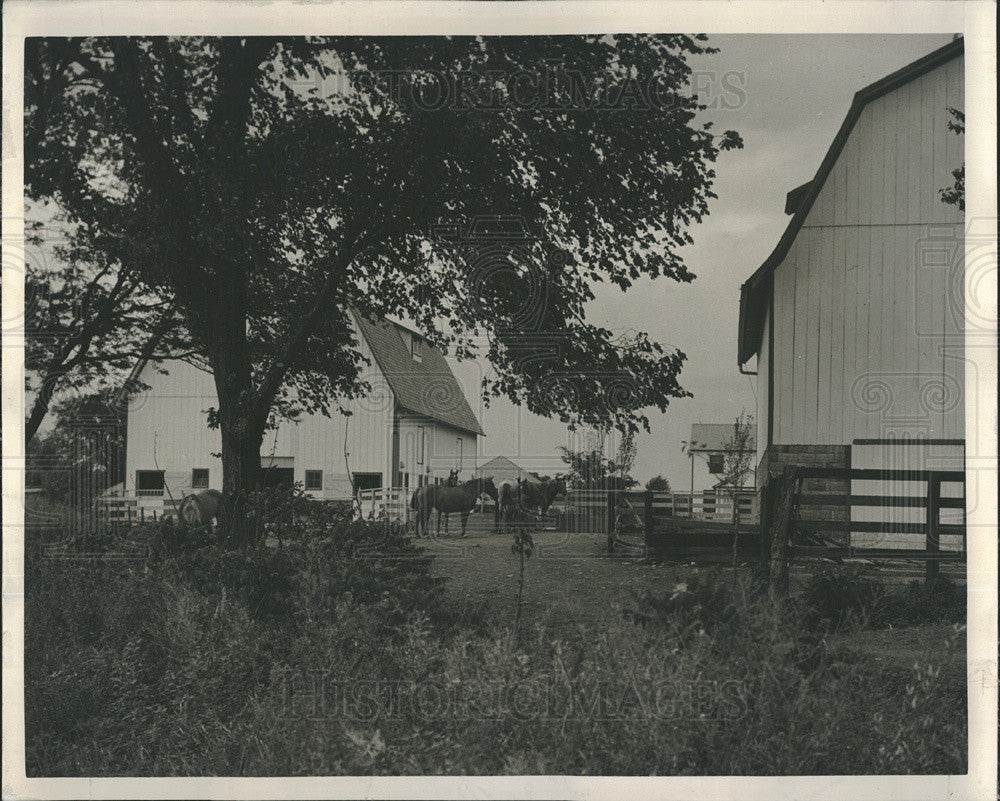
797, 89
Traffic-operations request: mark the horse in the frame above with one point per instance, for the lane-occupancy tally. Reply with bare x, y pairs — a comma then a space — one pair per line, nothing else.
540, 494
508, 502
445, 500
198, 510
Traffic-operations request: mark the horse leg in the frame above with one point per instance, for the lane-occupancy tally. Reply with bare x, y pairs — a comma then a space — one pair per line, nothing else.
465, 520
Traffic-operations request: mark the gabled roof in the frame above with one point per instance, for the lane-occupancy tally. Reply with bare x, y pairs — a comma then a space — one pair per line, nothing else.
712, 437
427, 387
501, 466
755, 291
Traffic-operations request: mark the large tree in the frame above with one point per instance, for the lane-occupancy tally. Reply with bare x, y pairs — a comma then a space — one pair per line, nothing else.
272, 185
87, 324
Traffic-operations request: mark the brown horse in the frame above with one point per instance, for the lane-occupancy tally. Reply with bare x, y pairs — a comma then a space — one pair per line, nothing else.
447, 499
540, 494
198, 510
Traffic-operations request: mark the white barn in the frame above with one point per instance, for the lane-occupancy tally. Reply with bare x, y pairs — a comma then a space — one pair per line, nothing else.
412, 428
854, 323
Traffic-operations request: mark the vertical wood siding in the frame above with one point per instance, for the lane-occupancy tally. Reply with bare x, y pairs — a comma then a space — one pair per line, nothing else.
865, 323
171, 419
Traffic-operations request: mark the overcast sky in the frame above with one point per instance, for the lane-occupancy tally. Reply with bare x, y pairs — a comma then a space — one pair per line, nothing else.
798, 89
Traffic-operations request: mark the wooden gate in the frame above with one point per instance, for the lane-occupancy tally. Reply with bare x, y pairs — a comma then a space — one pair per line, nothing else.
812, 512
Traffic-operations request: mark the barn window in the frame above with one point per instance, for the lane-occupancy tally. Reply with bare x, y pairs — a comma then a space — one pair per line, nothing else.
149, 482
459, 453
199, 478
314, 479
715, 463
421, 443
416, 348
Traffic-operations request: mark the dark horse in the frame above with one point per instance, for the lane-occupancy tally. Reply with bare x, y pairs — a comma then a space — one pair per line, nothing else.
449, 499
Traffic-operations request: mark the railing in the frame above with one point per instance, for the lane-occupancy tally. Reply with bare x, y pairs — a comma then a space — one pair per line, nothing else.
384, 503
139, 506
819, 520
697, 506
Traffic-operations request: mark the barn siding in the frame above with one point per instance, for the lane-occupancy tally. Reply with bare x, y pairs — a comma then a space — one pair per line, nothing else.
170, 417
441, 450
860, 318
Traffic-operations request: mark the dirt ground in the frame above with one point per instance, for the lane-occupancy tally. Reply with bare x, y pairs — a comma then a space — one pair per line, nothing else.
571, 582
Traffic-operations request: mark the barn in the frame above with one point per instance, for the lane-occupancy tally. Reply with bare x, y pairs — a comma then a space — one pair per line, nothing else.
854, 323
412, 428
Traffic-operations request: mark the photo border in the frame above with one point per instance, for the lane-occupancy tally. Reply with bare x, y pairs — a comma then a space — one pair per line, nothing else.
413, 17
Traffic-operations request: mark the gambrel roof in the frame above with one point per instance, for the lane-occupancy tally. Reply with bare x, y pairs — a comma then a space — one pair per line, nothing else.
755, 291
427, 387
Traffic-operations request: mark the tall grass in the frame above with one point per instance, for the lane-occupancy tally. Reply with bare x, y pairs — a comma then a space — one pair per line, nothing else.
344, 656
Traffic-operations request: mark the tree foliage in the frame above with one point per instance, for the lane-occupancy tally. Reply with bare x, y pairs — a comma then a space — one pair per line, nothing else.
88, 320
954, 195
270, 186
591, 469
658, 483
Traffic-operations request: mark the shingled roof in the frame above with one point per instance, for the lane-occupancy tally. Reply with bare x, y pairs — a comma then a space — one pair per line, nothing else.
427, 387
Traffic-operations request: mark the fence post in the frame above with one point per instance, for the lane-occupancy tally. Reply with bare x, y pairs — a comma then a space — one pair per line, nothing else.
932, 541
778, 572
647, 522
611, 521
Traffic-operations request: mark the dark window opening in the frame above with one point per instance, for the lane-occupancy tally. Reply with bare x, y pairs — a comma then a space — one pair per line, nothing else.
199, 478
149, 482
366, 481
314, 479
278, 477
715, 463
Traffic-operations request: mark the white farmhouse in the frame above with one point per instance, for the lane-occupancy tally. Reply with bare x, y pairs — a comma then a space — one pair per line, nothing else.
854, 323
412, 428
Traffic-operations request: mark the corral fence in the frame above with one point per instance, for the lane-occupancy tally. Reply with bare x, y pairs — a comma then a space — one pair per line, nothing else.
125, 508
822, 512
599, 510
392, 504
683, 525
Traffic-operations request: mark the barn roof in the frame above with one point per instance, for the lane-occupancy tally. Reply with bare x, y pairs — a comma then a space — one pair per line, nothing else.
427, 387
755, 292
712, 437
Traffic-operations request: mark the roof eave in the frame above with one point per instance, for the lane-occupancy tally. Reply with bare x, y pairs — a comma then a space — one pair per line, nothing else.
752, 295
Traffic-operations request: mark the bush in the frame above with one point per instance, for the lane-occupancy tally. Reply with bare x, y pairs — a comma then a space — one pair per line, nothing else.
940, 601
840, 595
339, 656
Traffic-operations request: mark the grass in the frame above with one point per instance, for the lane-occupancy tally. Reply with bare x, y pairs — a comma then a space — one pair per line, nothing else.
336, 658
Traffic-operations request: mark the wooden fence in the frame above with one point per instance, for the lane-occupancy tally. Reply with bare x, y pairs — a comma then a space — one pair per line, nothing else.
791, 532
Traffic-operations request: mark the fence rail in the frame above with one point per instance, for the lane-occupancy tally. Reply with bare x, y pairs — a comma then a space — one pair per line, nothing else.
801, 522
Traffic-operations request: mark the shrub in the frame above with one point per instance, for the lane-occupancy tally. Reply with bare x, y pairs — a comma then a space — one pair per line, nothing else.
836, 596
162, 668
919, 602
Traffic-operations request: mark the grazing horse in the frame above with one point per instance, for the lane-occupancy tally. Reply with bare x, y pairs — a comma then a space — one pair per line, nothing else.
445, 500
198, 510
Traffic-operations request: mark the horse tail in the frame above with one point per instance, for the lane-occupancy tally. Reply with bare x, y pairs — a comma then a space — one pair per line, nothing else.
413, 499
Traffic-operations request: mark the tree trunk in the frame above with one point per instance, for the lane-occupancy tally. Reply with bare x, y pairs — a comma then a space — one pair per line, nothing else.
38, 411
241, 475
242, 430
